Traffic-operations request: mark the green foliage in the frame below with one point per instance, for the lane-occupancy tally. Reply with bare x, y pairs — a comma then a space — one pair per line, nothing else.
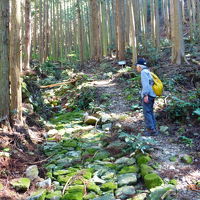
86, 97
186, 140
180, 109
136, 142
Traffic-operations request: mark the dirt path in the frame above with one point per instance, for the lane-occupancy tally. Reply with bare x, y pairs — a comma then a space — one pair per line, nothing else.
166, 146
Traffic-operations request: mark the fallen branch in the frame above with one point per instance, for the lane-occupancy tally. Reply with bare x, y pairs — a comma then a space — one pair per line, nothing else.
195, 62
58, 84
41, 161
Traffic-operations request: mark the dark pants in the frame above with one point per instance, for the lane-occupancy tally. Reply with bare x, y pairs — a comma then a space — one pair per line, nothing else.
148, 114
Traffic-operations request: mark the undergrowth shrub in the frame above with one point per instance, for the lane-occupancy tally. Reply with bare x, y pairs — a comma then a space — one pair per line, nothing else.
136, 142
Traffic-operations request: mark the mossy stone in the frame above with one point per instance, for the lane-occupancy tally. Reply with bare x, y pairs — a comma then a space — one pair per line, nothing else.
21, 184
152, 180
143, 159
70, 143
1, 186
173, 182
38, 195
54, 195
60, 172
87, 174
129, 169
93, 188
101, 155
111, 165
89, 196
173, 159
108, 186
63, 179
73, 196
187, 159
145, 169
76, 188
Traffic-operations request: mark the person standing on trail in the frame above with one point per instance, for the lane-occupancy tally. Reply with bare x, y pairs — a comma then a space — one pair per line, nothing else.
148, 97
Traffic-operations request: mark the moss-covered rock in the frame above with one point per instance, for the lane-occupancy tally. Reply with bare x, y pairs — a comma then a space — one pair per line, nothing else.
93, 188
108, 186
187, 159
87, 174
73, 196
21, 184
38, 195
129, 169
145, 169
142, 159
89, 196
173, 182
173, 158
70, 143
60, 172
63, 179
101, 155
1, 186
158, 192
54, 195
140, 196
152, 180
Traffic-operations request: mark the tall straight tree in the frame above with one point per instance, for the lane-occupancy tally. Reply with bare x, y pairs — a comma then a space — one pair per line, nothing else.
4, 60
95, 30
27, 35
133, 38
178, 53
120, 29
155, 23
15, 59
80, 27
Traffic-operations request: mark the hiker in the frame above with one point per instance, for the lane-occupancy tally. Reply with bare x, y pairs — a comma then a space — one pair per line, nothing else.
148, 97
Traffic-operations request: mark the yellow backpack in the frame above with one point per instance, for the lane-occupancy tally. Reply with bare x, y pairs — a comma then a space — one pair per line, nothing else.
158, 85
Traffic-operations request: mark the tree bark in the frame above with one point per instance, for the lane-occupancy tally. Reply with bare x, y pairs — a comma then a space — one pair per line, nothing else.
15, 60
178, 53
27, 52
4, 60
120, 29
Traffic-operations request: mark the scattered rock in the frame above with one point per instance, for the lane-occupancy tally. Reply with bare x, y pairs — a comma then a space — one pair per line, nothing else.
158, 192
44, 184
107, 127
152, 180
143, 159
173, 182
164, 129
187, 159
125, 192
92, 187
74, 193
89, 196
129, 169
52, 132
108, 186
21, 184
125, 160
1, 186
141, 196
145, 169
38, 195
173, 158
54, 195
106, 197
127, 179
32, 172
90, 120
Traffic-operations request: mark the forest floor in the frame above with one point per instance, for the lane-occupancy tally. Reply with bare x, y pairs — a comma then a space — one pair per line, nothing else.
115, 97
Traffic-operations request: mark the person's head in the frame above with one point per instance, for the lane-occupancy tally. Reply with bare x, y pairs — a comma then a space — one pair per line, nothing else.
141, 64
